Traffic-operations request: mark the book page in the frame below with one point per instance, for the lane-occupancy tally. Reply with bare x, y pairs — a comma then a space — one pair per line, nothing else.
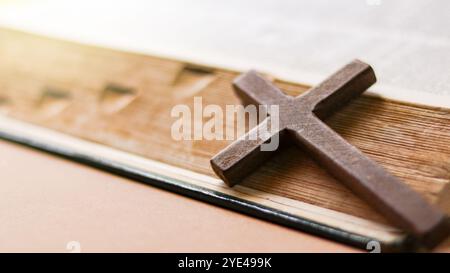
407, 42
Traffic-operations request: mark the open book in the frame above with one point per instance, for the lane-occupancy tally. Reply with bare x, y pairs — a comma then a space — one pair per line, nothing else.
112, 110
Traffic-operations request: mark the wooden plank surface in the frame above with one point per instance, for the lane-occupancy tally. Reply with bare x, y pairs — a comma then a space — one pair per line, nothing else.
123, 101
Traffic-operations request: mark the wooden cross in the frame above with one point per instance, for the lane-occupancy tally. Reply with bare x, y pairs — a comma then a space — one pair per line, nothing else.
300, 122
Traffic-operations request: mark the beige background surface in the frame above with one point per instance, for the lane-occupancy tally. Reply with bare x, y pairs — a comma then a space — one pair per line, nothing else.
47, 202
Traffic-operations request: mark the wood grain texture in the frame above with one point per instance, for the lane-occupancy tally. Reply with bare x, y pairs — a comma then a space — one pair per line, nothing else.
410, 141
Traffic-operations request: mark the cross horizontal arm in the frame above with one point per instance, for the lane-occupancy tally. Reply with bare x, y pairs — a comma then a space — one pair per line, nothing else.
347, 83
254, 89
370, 181
244, 155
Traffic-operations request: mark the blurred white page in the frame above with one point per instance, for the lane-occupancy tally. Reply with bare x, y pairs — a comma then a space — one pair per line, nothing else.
407, 42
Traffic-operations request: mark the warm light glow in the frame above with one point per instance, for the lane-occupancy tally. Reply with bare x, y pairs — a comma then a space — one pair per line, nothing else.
290, 39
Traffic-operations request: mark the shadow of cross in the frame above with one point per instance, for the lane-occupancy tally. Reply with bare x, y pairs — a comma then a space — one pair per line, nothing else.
300, 122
